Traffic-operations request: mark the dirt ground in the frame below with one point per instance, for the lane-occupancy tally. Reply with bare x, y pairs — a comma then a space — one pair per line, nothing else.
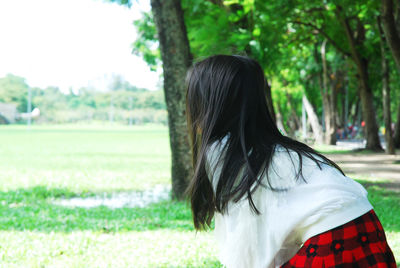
375, 168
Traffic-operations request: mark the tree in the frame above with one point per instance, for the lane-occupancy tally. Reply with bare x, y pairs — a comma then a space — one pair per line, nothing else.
328, 99
356, 39
176, 58
334, 22
166, 25
316, 127
14, 89
390, 149
391, 28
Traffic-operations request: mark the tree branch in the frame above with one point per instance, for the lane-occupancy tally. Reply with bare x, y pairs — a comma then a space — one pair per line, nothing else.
300, 40
389, 28
314, 9
324, 34
397, 15
219, 3
350, 36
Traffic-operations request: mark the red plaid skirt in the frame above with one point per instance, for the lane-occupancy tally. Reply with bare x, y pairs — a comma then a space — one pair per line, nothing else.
359, 243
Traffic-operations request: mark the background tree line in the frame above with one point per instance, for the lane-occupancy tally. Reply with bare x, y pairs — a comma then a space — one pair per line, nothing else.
122, 103
339, 59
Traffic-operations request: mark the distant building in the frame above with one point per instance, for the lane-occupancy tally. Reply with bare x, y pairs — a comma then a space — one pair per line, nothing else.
8, 113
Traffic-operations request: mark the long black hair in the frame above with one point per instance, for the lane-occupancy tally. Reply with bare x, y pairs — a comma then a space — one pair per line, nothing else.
226, 98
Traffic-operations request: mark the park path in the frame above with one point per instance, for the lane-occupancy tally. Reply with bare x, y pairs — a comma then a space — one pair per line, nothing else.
374, 167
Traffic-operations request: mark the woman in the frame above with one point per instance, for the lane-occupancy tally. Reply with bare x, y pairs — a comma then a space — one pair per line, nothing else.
276, 201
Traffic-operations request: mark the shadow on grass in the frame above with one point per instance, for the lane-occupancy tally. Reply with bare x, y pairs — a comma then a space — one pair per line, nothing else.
33, 209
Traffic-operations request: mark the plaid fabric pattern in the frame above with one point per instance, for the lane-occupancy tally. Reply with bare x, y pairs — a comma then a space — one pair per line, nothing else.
359, 243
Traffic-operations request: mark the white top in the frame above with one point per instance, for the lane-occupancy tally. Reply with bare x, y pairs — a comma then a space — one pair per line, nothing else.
288, 218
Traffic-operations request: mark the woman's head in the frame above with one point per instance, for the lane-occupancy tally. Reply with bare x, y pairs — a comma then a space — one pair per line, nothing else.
226, 94
226, 98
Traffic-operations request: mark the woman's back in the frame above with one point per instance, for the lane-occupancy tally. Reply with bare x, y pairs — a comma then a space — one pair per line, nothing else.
297, 209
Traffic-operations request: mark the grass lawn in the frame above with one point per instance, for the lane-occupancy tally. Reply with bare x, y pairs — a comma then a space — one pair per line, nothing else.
94, 159
46, 164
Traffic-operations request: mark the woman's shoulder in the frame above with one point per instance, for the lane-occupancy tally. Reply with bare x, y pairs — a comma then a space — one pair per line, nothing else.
286, 164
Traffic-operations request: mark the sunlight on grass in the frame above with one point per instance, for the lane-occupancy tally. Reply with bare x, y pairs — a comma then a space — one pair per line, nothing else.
85, 159
159, 248
330, 149
393, 239
160, 235
370, 179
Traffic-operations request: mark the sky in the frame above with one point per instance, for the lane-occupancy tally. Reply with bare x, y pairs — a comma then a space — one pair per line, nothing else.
72, 43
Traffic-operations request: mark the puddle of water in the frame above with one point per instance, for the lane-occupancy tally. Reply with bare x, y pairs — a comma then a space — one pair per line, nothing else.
120, 200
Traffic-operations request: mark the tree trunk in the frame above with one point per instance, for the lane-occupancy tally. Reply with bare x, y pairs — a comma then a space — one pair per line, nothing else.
397, 16
327, 98
175, 54
389, 28
296, 119
345, 100
279, 124
337, 86
270, 104
354, 120
368, 110
396, 137
386, 93
315, 126
392, 33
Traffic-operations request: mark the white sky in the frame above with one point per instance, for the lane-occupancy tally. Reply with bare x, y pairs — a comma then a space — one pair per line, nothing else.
71, 43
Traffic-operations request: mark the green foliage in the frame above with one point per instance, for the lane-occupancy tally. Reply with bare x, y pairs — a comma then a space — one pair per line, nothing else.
226, 31
121, 2
14, 89
146, 44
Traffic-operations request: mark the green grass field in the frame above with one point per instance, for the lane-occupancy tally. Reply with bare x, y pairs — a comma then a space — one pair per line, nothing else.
46, 164
80, 159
